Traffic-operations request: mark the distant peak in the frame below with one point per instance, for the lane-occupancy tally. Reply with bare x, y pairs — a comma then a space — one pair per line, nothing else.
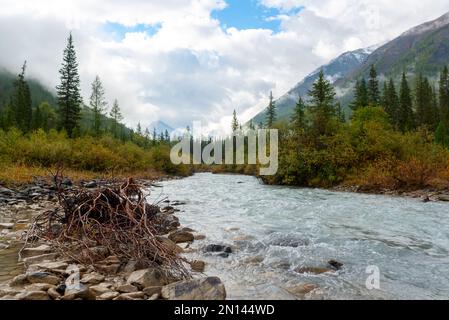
429, 26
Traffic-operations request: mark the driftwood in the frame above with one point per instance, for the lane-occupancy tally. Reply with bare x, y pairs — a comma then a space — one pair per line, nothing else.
116, 217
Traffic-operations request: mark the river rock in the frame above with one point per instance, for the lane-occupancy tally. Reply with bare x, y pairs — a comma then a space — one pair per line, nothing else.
6, 225
39, 287
100, 289
131, 296
43, 249
181, 236
198, 266
53, 293
42, 277
19, 280
170, 244
150, 291
59, 266
33, 295
444, 197
108, 295
209, 288
92, 278
302, 289
313, 270
40, 258
127, 288
254, 260
154, 297
336, 265
199, 237
90, 185
80, 291
218, 248
146, 278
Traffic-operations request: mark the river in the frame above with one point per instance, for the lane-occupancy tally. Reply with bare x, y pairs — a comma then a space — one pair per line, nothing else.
283, 228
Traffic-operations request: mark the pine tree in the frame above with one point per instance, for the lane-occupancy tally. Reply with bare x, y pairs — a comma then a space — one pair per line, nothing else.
322, 104
69, 97
235, 122
167, 136
442, 134
139, 129
444, 95
298, 118
405, 115
360, 95
116, 116
339, 112
373, 88
21, 102
271, 112
97, 103
391, 104
424, 98
154, 134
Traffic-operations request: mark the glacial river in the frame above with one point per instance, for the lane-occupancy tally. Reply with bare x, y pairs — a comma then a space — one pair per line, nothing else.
275, 230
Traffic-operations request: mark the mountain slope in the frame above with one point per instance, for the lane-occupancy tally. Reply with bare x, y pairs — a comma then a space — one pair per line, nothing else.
337, 69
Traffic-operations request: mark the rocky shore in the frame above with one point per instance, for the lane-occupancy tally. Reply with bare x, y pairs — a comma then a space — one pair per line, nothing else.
43, 273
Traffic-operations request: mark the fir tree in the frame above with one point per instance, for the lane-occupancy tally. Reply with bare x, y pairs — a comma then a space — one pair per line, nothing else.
360, 96
405, 117
444, 95
391, 104
298, 118
373, 88
167, 136
322, 104
97, 103
235, 122
442, 134
271, 112
21, 102
69, 97
116, 116
424, 96
139, 129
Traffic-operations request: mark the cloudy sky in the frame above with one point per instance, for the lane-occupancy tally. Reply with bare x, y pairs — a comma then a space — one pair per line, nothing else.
187, 60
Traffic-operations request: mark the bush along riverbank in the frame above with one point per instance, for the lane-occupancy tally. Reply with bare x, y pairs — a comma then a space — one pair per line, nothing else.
102, 242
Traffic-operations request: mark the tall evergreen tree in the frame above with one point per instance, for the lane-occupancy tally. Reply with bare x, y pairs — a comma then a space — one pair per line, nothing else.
405, 117
235, 122
322, 104
442, 134
167, 136
444, 95
139, 129
271, 112
391, 104
298, 118
97, 103
425, 113
360, 96
373, 88
68, 91
21, 102
251, 125
116, 116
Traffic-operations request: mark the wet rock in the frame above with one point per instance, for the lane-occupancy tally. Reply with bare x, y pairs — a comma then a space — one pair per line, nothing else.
209, 288
6, 225
168, 210
254, 260
178, 203
242, 238
42, 277
313, 270
53, 293
217, 248
444, 197
286, 240
150, 291
181, 236
154, 297
67, 182
100, 289
301, 290
43, 249
232, 229
58, 266
40, 258
198, 266
81, 291
146, 278
167, 222
39, 287
6, 192
108, 295
91, 184
336, 265
131, 296
92, 278
19, 280
33, 295
199, 237
127, 288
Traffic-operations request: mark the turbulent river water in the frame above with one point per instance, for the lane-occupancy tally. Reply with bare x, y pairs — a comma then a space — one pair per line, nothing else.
283, 228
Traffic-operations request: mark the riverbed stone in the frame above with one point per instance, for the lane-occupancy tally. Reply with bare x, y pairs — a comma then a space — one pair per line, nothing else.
146, 278
33, 295
42, 249
313, 270
92, 278
181, 236
198, 265
59, 266
173, 247
43, 277
40, 258
154, 297
199, 237
100, 289
6, 225
444, 197
149, 291
208, 288
302, 289
108, 295
39, 287
336, 265
53, 293
131, 296
127, 288
218, 248
81, 291
19, 280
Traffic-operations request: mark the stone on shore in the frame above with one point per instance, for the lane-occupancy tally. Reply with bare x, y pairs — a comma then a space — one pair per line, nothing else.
150, 291
80, 291
40, 258
108, 295
313, 270
127, 288
42, 249
92, 278
209, 288
198, 266
146, 278
131, 296
336, 265
6, 225
301, 290
181, 236
33, 295
43, 277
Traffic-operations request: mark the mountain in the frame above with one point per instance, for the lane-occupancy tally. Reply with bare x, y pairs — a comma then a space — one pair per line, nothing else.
337, 69
422, 49
160, 127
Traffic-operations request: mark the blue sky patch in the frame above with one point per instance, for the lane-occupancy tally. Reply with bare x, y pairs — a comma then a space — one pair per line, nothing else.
118, 30
250, 14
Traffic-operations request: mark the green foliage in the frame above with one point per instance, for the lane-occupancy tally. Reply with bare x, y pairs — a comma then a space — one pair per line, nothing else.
360, 95
97, 103
373, 88
235, 122
271, 112
405, 116
21, 102
442, 134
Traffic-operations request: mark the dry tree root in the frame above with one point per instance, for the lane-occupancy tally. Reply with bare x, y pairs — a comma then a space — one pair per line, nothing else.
116, 217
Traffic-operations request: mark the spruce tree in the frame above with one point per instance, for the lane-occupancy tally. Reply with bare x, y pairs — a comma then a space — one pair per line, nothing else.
360, 96
271, 112
392, 103
298, 118
444, 95
116, 116
322, 104
167, 136
21, 102
235, 122
442, 134
139, 129
424, 99
373, 88
68, 91
97, 103
405, 115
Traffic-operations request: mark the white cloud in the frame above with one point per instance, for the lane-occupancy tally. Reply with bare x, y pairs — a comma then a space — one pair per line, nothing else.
192, 69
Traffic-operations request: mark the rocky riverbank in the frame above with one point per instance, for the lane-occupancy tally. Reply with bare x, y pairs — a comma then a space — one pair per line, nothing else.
45, 273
